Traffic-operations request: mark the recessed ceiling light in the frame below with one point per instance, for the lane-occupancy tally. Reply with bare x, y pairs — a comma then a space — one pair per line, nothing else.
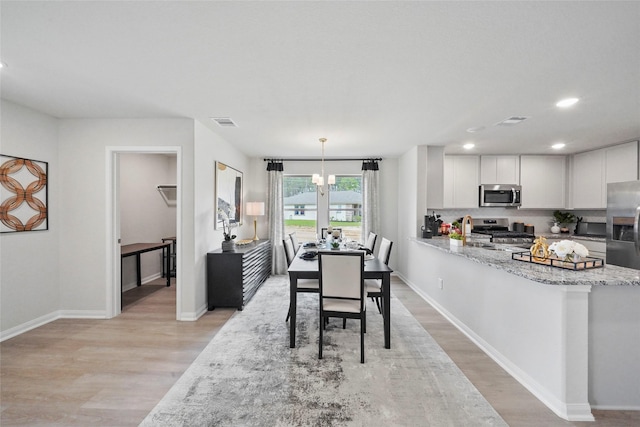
558, 146
2, 65
468, 145
564, 103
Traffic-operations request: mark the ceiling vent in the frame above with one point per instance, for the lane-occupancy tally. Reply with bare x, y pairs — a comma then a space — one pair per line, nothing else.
224, 122
513, 120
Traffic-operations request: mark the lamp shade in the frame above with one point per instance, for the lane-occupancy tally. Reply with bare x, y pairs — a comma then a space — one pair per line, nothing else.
255, 208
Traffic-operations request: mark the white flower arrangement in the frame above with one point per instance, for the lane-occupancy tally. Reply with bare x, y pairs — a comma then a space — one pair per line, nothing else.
568, 249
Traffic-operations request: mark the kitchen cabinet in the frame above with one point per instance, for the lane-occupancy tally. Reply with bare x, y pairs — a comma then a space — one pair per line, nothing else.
588, 179
461, 181
621, 162
543, 181
499, 170
593, 170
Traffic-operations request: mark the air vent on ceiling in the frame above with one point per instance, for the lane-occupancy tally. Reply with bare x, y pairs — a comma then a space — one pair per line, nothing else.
224, 122
513, 120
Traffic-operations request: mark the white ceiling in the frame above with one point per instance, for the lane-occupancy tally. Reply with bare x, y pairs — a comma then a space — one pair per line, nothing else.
375, 78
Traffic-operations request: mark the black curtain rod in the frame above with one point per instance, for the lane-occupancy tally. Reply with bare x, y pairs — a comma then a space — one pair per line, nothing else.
378, 159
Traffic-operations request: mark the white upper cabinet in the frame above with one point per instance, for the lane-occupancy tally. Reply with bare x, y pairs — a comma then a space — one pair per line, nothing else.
593, 170
461, 174
588, 178
543, 181
499, 170
622, 162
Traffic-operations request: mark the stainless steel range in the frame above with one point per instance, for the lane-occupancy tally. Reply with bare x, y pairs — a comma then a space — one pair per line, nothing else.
498, 231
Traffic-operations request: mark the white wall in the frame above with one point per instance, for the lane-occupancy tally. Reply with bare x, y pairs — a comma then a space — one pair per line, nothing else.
29, 268
144, 214
83, 177
407, 207
210, 148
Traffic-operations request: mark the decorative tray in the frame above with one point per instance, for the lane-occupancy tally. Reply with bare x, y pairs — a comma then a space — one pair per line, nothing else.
584, 263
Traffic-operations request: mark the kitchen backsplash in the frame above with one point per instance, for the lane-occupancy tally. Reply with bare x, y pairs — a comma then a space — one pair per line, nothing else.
541, 219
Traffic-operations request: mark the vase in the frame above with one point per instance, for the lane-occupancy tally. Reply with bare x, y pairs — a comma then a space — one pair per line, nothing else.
555, 228
228, 246
455, 243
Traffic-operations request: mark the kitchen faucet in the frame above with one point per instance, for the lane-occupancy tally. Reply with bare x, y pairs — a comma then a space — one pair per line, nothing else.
463, 227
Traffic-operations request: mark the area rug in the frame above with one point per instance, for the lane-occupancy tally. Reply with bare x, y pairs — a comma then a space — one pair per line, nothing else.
248, 376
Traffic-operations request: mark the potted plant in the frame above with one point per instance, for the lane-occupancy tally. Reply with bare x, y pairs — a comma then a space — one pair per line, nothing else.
455, 235
228, 245
562, 219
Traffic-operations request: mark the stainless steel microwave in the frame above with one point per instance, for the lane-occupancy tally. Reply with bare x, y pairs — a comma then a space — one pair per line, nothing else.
504, 195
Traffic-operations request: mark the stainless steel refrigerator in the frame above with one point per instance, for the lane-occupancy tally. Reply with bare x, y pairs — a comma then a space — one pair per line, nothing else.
623, 213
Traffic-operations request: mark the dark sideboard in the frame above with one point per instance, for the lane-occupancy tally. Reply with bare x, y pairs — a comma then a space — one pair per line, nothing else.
234, 277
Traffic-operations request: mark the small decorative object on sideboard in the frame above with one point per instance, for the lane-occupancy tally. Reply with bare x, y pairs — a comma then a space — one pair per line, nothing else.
228, 245
562, 219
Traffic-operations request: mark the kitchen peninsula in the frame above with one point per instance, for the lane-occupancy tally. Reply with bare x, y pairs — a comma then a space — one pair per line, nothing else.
571, 337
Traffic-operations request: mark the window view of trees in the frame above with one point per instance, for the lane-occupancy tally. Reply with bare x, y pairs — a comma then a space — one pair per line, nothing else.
301, 206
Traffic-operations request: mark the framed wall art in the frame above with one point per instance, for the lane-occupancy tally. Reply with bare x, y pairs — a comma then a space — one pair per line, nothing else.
23, 194
228, 195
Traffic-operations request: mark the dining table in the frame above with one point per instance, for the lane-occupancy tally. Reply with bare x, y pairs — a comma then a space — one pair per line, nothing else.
308, 269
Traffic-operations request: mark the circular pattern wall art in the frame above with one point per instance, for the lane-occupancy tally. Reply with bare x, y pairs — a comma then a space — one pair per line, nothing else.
23, 194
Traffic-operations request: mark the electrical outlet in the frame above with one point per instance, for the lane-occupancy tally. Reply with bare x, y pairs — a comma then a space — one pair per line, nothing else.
440, 283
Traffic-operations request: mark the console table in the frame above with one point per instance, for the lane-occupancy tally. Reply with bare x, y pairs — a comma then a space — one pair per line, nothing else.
234, 277
135, 249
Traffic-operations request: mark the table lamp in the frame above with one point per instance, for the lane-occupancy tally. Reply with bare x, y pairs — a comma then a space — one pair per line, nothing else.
255, 209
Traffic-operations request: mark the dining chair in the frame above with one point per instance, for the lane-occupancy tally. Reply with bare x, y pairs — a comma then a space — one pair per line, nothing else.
371, 241
294, 241
373, 287
342, 291
303, 285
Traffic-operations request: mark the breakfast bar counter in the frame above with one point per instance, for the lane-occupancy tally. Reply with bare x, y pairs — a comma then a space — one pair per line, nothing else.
500, 257
572, 338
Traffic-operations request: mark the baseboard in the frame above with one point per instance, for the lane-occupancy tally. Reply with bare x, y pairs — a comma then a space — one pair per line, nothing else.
570, 412
27, 326
83, 314
193, 316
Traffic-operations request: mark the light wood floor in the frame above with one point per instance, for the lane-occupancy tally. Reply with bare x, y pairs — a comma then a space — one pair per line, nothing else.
75, 372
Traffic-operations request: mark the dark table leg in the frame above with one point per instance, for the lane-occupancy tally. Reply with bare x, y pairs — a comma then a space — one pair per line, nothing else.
138, 272
386, 298
168, 258
293, 296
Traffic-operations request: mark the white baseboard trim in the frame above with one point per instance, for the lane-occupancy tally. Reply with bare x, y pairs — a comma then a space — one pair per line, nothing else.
27, 326
48, 318
193, 316
570, 412
616, 408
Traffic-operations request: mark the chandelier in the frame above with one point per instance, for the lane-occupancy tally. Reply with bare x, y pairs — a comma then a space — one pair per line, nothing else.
318, 179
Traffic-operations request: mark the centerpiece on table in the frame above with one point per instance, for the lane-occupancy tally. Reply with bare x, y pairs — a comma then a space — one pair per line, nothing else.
228, 245
335, 241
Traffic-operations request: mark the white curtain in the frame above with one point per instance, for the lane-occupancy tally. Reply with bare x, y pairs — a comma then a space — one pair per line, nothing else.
275, 214
370, 199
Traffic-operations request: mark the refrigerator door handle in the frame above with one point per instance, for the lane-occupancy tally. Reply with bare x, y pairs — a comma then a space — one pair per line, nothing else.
636, 220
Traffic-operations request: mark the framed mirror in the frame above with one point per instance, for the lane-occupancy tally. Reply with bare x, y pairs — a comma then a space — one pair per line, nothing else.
228, 194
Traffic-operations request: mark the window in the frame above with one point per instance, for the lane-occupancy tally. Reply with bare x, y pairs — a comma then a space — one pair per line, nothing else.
345, 206
300, 207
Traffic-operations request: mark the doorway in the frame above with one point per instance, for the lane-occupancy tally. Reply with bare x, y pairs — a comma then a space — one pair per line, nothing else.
114, 221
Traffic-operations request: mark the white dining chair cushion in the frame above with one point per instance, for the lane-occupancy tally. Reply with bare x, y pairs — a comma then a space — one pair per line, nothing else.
348, 306
371, 241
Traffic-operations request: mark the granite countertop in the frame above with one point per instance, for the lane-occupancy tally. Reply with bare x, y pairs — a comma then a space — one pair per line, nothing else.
609, 275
